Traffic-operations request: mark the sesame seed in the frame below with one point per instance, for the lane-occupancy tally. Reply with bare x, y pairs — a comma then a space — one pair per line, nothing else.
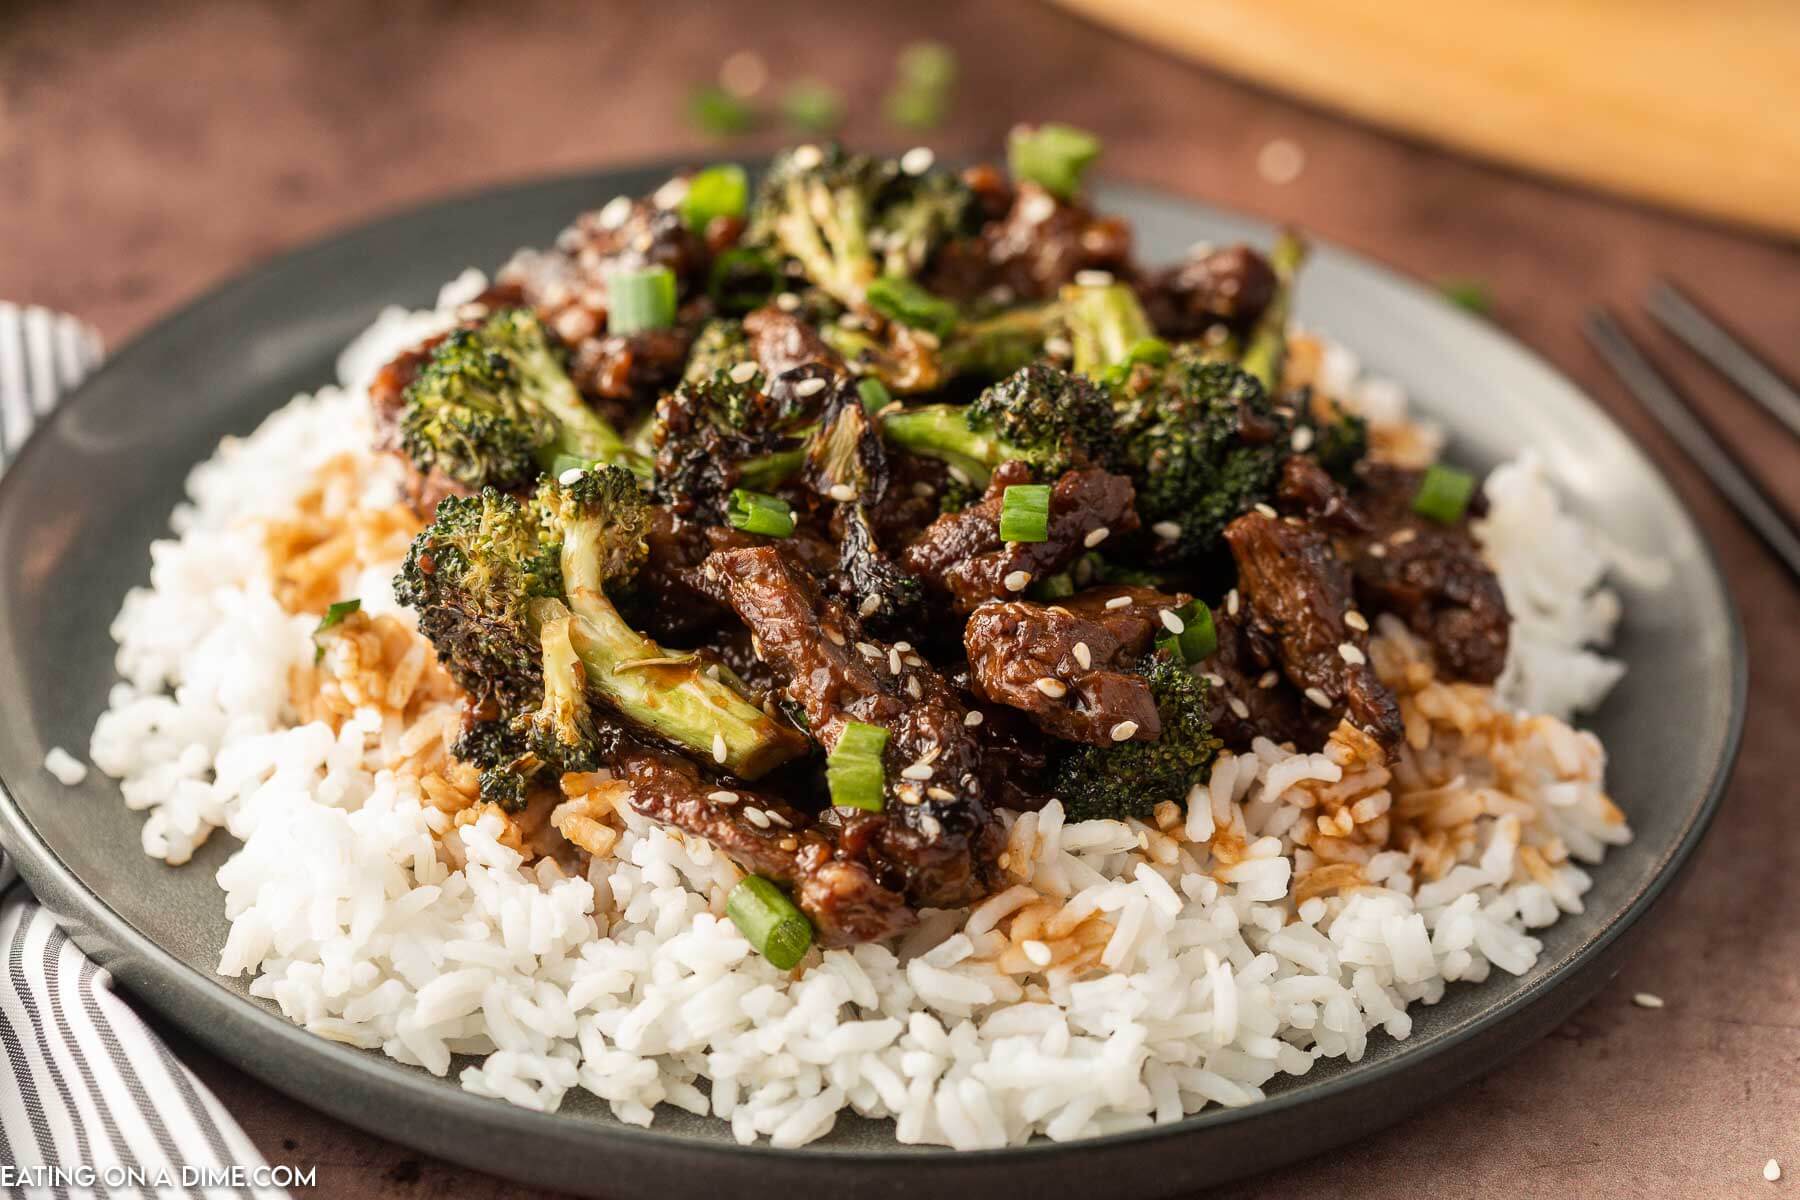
836, 638
1168, 531
919, 771
1036, 951
1124, 731
778, 818
1647, 1000
787, 302
850, 321
918, 160
1240, 708
929, 826
1351, 654
571, 476
843, 493
1302, 440
912, 687
1266, 511
867, 651
1171, 622
1269, 679
1017, 581
788, 843
1058, 347
893, 661
903, 647
1378, 551
1053, 688
1772, 1171
1119, 602
1094, 278
1095, 537
871, 604
744, 372
973, 717
1214, 680
938, 793
1036, 208
757, 817
719, 754
615, 212
1231, 602
809, 387
957, 473
671, 193
722, 797
913, 660
807, 157
909, 795
1356, 621
1318, 697
923, 490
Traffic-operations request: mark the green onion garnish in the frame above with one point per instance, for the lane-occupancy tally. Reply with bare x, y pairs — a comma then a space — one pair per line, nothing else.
757, 512
813, 107
927, 65
1025, 513
874, 393
1470, 294
1443, 494
333, 616
853, 768
1052, 156
716, 111
721, 191
1197, 638
904, 301
640, 300
743, 279
769, 921
920, 96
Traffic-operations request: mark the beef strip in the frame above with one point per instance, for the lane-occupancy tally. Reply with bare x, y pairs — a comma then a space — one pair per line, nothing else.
936, 840
1248, 697
1026, 655
818, 860
1228, 286
1037, 244
1430, 575
781, 341
1298, 591
961, 555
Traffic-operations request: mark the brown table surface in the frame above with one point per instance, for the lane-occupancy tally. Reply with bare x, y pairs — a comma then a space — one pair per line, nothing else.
146, 152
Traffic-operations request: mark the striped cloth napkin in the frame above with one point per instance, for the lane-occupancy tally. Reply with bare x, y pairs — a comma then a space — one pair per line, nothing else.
91, 1101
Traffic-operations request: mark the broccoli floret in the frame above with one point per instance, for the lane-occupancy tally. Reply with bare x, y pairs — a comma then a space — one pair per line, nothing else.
1265, 354
720, 345
1040, 415
1340, 438
1107, 327
714, 434
994, 346
846, 218
601, 517
905, 362
508, 590
1129, 779
847, 462
1203, 444
493, 407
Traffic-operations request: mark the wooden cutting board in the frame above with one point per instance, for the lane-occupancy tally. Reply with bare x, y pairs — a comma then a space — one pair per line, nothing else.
1689, 103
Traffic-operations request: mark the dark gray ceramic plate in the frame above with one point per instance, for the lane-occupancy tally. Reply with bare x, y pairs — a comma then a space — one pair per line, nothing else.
94, 487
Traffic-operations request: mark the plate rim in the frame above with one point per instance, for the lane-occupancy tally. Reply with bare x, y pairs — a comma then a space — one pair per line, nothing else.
52, 880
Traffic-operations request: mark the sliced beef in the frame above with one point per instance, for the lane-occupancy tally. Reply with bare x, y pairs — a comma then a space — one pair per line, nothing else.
1071, 671
961, 555
781, 341
1298, 592
1037, 244
1249, 697
1227, 286
936, 840
831, 883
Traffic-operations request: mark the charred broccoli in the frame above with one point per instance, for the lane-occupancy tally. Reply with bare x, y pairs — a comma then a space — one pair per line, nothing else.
847, 462
493, 407
720, 345
712, 435
1040, 415
1265, 354
512, 594
1129, 779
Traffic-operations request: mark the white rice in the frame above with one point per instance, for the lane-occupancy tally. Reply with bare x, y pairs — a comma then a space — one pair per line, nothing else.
361, 913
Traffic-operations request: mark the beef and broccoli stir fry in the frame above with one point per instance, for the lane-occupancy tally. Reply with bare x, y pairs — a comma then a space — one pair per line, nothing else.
837, 514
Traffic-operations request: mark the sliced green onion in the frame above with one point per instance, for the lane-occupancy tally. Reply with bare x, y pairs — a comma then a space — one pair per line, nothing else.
874, 393
716, 111
757, 512
1052, 156
721, 191
1025, 513
1470, 294
334, 616
1197, 638
1443, 494
916, 108
743, 279
853, 769
769, 921
1054, 587
904, 301
927, 65
640, 300
812, 107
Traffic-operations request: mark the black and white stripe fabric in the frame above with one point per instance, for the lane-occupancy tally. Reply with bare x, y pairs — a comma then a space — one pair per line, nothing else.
91, 1101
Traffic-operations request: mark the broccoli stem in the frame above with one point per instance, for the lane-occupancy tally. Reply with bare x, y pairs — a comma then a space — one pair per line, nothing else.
942, 431
1266, 352
996, 346
1104, 324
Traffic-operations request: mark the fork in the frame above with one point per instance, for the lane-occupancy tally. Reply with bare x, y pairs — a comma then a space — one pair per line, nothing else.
43, 355
1728, 355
